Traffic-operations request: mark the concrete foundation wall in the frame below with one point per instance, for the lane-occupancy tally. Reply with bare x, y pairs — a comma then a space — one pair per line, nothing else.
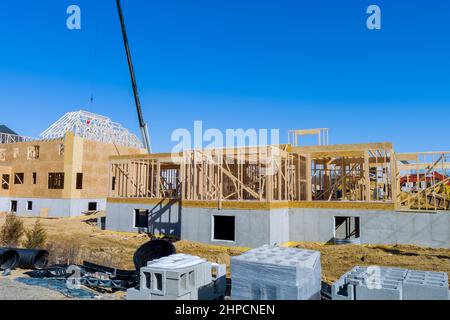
279, 226
51, 207
376, 227
163, 218
4, 204
254, 228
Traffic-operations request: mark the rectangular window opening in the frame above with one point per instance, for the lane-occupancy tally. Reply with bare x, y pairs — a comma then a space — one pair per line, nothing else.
61, 149
224, 228
14, 206
33, 153
92, 206
29, 205
141, 218
56, 181
19, 178
79, 182
34, 177
346, 228
5, 182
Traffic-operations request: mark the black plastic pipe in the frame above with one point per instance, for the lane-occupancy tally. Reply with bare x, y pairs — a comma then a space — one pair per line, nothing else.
31, 259
8, 259
152, 250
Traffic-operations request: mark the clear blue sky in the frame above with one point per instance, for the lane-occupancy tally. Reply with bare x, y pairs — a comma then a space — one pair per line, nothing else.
235, 64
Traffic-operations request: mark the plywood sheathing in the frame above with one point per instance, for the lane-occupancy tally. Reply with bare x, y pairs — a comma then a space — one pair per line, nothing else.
78, 156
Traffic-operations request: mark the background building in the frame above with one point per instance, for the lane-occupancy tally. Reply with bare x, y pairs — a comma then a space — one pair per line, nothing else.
65, 171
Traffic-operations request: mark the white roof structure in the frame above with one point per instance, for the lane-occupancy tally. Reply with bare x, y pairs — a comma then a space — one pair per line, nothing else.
7, 138
93, 127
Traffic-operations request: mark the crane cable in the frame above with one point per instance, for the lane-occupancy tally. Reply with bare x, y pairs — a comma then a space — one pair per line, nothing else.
94, 66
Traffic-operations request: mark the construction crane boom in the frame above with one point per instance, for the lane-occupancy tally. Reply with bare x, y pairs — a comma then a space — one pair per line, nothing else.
142, 124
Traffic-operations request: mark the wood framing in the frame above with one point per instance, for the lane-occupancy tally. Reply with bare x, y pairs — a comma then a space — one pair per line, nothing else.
322, 134
423, 181
360, 173
246, 174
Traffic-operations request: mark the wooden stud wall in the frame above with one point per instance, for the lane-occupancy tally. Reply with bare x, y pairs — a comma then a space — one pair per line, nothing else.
260, 174
423, 181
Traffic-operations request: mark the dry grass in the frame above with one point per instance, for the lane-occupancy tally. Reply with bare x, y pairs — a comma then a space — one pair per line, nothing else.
76, 239
336, 260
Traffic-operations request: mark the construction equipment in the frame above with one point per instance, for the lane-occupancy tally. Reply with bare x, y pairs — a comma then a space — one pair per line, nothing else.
142, 124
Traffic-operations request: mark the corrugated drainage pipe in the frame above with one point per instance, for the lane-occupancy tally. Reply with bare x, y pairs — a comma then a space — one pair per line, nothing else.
152, 250
8, 259
34, 259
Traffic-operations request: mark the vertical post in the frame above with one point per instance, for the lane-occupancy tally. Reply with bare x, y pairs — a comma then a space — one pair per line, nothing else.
269, 176
110, 167
182, 178
344, 179
158, 178
366, 175
308, 178
394, 177
220, 179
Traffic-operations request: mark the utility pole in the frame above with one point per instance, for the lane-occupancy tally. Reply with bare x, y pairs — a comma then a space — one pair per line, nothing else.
142, 123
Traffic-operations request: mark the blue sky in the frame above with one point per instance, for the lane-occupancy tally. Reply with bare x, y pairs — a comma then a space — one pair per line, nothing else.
234, 64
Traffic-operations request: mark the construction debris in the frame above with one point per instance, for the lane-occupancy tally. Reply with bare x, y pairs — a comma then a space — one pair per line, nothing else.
59, 286
67, 279
382, 283
276, 273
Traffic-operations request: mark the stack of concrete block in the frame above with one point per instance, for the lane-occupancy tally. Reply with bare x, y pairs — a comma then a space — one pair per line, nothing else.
276, 273
423, 285
381, 283
179, 277
217, 288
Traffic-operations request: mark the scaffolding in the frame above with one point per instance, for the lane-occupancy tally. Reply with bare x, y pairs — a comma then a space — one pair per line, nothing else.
93, 127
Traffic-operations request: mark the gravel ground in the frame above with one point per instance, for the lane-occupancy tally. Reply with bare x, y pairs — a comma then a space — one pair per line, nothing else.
13, 290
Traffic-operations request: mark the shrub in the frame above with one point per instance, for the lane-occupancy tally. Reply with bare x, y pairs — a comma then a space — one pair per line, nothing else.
35, 237
11, 231
63, 253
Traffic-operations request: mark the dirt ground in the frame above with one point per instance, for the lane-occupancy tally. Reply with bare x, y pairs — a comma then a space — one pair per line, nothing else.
72, 240
336, 260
